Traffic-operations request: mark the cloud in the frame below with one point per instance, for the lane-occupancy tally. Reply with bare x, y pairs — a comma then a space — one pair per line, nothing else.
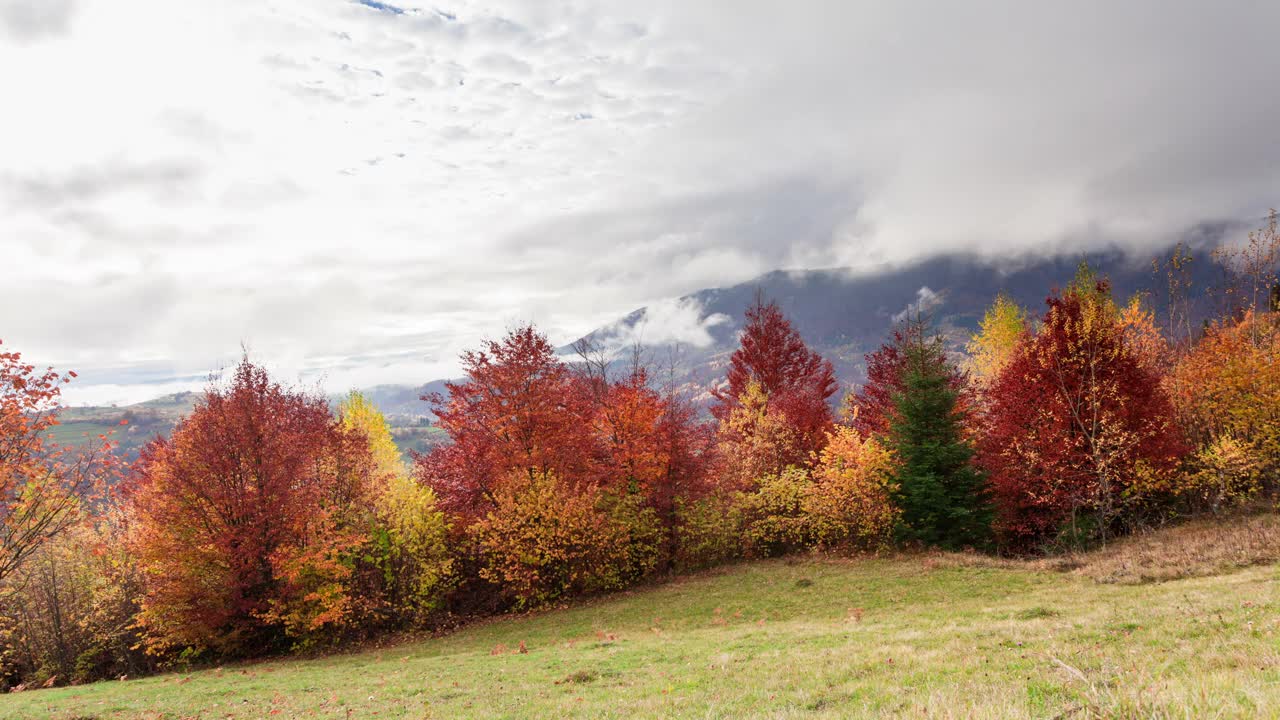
381, 7
673, 321
33, 20
362, 189
926, 300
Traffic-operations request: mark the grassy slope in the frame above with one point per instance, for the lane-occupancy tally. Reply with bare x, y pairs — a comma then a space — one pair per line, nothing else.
936, 636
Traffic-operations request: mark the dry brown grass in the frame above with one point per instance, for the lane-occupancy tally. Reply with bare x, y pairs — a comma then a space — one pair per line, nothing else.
1196, 549
1199, 548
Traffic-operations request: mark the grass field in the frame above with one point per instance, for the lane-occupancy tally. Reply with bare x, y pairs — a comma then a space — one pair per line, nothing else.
914, 636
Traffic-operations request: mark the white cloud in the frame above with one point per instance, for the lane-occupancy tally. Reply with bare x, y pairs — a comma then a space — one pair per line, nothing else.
360, 193
673, 321
926, 300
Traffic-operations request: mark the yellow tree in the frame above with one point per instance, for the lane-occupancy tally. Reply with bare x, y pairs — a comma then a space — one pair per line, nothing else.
358, 413
850, 500
412, 530
999, 333
757, 441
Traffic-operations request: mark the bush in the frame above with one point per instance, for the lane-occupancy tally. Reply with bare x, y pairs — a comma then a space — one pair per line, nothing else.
68, 614
709, 530
409, 552
849, 502
543, 541
777, 522
1227, 395
639, 530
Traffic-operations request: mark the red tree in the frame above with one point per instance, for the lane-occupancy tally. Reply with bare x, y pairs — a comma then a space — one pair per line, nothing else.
243, 516
1077, 424
871, 408
797, 380
519, 409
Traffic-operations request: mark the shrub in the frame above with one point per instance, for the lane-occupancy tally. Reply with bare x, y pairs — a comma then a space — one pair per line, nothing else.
776, 521
638, 527
849, 502
1227, 394
67, 615
542, 541
410, 550
709, 530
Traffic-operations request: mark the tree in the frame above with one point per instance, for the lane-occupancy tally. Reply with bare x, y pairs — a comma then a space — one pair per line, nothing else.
870, 409
851, 499
796, 380
519, 408
941, 494
655, 448
1001, 329
1177, 277
42, 485
1077, 425
408, 562
1250, 270
357, 414
1139, 333
1227, 394
757, 441
247, 519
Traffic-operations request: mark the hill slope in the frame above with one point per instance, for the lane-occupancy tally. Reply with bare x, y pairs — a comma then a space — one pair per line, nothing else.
918, 636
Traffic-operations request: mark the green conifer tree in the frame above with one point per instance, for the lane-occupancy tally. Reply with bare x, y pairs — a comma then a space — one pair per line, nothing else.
941, 493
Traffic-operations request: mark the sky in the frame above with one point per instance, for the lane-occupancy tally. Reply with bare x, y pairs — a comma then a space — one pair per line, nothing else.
355, 191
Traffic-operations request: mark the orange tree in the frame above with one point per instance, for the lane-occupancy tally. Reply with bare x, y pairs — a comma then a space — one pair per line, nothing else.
247, 519
42, 484
1227, 394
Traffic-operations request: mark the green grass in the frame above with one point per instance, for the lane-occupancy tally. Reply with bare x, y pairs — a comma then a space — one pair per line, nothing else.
922, 636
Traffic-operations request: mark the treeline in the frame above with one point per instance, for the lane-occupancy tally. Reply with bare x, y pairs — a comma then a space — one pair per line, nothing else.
269, 522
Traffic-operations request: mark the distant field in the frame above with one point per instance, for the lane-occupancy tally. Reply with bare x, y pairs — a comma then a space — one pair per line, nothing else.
81, 425
916, 636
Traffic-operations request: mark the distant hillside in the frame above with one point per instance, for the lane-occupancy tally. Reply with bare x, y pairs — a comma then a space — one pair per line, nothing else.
842, 315
845, 316
146, 420
412, 430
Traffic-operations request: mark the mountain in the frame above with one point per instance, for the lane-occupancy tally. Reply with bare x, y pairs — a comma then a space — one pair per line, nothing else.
845, 316
687, 340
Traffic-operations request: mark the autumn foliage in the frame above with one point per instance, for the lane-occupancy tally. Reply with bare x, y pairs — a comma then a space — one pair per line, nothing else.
520, 408
42, 484
795, 381
270, 521
561, 480
247, 518
1227, 394
1079, 427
